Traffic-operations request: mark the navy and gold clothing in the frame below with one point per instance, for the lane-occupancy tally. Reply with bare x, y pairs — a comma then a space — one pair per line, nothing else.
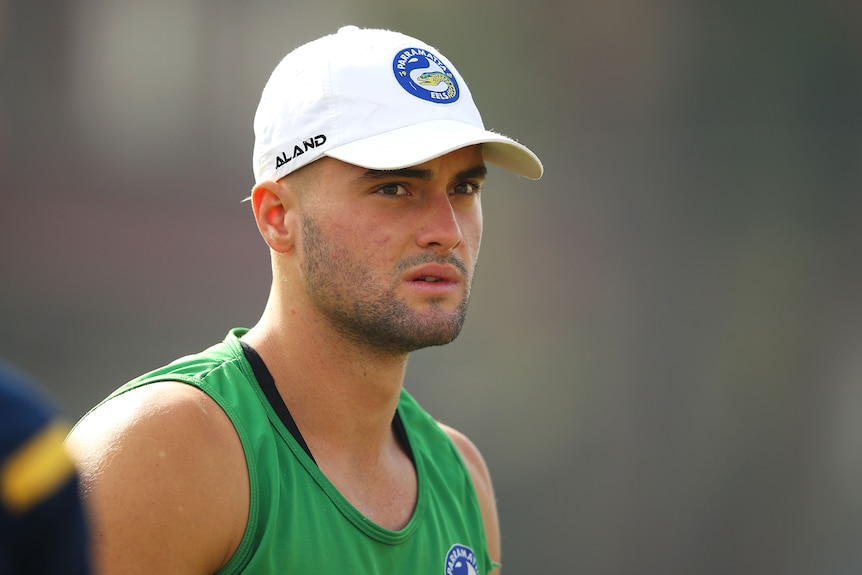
42, 523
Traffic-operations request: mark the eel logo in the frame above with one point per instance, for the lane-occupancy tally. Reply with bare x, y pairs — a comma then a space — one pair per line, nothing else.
434, 79
460, 560
426, 76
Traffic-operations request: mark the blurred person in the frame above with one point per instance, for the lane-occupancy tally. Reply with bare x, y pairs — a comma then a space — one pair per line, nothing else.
292, 447
42, 521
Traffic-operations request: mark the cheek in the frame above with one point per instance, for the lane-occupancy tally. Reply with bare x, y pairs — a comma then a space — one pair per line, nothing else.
471, 228
365, 244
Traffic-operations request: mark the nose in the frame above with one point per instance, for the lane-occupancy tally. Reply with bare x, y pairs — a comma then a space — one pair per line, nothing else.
440, 229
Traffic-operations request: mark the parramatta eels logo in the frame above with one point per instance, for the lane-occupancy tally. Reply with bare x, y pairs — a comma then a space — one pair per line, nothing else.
461, 561
425, 76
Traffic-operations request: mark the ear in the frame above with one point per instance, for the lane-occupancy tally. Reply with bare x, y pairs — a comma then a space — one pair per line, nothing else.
275, 213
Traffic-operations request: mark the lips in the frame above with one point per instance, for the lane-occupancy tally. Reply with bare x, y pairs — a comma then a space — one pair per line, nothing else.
435, 274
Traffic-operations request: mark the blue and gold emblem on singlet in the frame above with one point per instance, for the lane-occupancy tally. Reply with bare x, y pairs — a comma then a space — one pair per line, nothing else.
460, 560
426, 76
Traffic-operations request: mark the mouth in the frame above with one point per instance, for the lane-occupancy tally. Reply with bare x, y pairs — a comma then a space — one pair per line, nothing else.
435, 273
435, 279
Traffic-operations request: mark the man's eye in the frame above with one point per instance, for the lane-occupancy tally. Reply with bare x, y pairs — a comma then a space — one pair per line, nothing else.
392, 190
466, 188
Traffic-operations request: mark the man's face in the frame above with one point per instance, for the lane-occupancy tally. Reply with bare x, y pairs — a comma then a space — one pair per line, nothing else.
388, 257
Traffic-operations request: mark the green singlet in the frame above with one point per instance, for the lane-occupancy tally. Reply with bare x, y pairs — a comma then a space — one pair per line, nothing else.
298, 522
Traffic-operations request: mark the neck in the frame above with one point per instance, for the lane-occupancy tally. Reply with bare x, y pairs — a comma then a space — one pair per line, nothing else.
342, 395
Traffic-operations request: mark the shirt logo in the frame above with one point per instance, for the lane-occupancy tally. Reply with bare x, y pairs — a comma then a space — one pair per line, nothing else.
460, 560
424, 75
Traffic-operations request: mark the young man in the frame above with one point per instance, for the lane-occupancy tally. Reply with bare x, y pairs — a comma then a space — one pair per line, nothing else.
292, 447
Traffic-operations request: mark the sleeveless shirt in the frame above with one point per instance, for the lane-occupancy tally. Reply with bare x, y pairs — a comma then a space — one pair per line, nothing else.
298, 522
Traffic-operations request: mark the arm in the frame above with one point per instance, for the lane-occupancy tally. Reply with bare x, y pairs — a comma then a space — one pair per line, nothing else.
164, 479
484, 489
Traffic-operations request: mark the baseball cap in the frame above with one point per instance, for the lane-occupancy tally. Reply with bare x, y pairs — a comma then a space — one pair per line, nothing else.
377, 99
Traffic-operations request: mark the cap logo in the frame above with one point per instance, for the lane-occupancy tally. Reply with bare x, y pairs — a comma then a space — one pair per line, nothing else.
424, 75
309, 144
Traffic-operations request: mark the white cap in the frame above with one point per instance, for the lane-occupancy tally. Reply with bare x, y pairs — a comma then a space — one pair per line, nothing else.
376, 99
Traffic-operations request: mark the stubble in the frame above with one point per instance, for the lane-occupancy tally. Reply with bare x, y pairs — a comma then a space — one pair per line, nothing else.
366, 308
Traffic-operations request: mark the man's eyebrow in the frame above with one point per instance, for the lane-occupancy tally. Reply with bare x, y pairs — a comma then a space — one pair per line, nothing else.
407, 173
479, 171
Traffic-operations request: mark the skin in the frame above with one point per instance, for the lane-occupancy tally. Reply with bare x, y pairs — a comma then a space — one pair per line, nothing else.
163, 465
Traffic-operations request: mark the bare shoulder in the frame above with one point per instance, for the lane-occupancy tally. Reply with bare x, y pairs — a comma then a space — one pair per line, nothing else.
470, 454
164, 477
484, 488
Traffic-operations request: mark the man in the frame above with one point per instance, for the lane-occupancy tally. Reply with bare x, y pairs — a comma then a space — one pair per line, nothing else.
292, 447
43, 529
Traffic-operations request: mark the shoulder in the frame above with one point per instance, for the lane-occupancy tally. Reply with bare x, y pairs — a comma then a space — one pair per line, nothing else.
481, 477
469, 453
162, 401
151, 419
162, 464
33, 461
40, 500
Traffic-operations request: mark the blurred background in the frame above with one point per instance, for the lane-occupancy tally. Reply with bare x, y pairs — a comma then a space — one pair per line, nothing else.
663, 359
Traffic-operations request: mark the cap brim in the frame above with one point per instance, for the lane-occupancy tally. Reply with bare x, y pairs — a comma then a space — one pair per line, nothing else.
419, 143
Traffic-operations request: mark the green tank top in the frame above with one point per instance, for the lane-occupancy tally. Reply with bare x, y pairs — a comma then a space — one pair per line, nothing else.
299, 523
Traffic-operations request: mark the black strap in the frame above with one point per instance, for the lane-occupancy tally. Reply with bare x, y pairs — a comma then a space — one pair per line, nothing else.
267, 385
401, 435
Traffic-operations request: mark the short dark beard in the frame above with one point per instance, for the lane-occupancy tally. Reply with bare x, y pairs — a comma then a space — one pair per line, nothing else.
346, 292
